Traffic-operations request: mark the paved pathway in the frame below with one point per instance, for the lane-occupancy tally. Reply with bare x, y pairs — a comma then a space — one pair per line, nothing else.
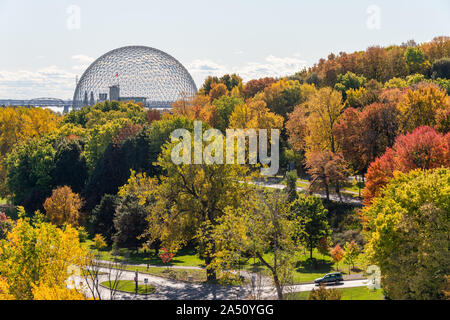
333, 196
167, 289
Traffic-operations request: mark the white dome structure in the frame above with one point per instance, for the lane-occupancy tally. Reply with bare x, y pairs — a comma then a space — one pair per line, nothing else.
137, 73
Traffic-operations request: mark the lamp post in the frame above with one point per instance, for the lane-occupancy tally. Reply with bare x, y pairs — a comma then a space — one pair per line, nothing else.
136, 282
146, 293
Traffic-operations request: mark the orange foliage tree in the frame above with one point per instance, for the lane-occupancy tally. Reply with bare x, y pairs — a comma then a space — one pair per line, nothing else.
63, 207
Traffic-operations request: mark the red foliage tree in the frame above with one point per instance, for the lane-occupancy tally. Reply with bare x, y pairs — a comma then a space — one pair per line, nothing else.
152, 115
252, 87
125, 132
166, 256
337, 254
365, 135
424, 148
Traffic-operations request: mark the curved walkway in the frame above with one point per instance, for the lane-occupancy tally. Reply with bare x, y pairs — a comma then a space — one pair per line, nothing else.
333, 196
167, 289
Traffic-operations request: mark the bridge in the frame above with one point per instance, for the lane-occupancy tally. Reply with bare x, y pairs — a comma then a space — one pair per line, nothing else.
38, 102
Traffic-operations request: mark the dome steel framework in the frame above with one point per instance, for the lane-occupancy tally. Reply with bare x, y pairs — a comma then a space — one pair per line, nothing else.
135, 73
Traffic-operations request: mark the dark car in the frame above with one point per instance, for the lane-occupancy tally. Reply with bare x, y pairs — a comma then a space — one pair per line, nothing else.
330, 278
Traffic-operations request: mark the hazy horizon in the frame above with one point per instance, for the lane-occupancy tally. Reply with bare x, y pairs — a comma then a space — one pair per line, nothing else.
47, 44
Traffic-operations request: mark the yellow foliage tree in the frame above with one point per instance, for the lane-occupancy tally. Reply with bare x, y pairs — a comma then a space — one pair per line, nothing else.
99, 241
4, 290
18, 124
63, 206
39, 254
217, 90
255, 114
325, 107
47, 292
422, 106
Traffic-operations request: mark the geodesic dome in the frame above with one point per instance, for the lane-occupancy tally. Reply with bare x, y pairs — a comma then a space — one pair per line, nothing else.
136, 73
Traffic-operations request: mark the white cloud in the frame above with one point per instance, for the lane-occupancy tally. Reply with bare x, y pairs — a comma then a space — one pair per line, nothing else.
83, 61
50, 81
272, 66
83, 58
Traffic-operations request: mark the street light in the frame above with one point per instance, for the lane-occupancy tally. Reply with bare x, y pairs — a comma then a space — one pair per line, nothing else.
136, 282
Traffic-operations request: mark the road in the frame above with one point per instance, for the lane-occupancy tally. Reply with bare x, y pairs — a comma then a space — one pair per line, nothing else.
167, 289
333, 197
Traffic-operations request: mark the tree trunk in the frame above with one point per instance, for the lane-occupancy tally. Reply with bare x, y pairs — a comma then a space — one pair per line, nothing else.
157, 246
210, 273
273, 270
277, 286
327, 192
338, 191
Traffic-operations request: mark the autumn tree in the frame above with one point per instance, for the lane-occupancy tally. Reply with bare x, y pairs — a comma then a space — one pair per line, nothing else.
407, 230
18, 124
143, 189
322, 293
423, 148
419, 107
6, 225
323, 246
255, 114
138, 152
252, 87
63, 207
271, 230
365, 135
282, 96
325, 169
351, 253
297, 127
49, 292
99, 241
230, 82
337, 254
190, 200
101, 136
153, 115
37, 255
217, 90
4, 290
310, 214
325, 107
349, 81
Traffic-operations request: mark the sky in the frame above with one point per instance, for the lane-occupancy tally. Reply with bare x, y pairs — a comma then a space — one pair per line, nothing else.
45, 44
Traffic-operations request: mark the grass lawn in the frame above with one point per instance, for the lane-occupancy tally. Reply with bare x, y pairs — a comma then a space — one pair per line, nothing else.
184, 257
304, 270
358, 293
129, 286
196, 275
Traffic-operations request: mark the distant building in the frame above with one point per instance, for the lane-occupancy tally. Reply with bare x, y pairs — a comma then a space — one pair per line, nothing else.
134, 73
